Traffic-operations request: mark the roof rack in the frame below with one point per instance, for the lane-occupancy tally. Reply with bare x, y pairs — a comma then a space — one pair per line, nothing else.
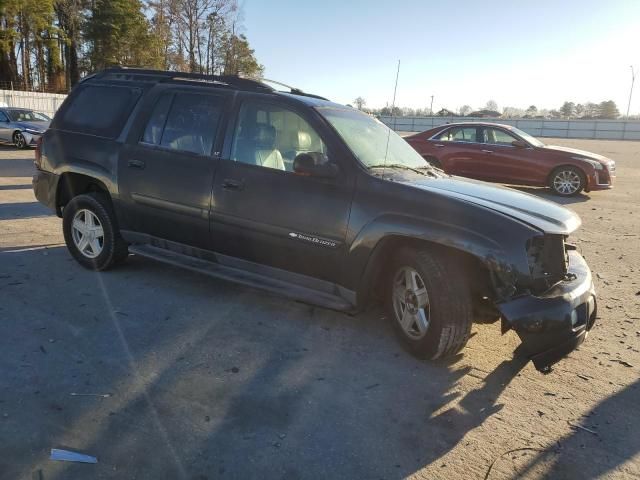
162, 75
226, 80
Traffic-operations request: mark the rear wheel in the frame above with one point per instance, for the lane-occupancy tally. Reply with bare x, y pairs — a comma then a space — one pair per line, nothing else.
19, 141
567, 181
429, 302
90, 232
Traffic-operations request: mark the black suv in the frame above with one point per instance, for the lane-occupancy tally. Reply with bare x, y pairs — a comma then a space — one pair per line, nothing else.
317, 201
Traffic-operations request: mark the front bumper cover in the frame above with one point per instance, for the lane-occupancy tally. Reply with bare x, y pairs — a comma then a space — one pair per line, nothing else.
555, 323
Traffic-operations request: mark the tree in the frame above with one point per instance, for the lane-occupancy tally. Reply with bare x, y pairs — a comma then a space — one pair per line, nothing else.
568, 109
591, 110
360, 103
491, 105
118, 34
532, 111
512, 112
579, 110
465, 110
240, 58
608, 110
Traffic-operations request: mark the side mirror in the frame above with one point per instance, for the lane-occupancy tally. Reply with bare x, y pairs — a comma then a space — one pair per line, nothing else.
519, 144
314, 164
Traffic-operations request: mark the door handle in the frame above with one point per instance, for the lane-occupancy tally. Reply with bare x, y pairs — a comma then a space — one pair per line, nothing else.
136, 163
230, 184
438, 145
487, 151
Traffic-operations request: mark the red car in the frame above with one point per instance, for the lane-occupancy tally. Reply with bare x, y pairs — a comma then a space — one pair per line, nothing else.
504, 154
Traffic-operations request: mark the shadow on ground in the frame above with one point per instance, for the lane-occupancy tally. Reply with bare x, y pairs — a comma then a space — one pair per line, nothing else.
548, 195
211, 380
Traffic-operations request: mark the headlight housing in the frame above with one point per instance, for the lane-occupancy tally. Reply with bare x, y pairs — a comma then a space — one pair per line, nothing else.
597, 165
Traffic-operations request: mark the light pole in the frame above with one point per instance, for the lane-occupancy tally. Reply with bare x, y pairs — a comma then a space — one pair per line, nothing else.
633, 79
431, 107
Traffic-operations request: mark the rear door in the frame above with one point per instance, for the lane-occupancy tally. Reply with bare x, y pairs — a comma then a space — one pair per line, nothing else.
167, 166
266, 213
508, 163
460, 152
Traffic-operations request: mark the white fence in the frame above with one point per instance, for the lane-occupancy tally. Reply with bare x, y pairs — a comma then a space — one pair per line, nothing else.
46, 103
594, 129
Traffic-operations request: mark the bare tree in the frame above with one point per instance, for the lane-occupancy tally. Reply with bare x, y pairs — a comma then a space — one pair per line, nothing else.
360, 103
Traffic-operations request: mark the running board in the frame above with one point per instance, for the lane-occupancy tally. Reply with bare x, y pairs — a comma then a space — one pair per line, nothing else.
244, 277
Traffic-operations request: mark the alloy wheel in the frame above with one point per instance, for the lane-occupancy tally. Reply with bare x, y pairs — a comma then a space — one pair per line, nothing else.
411, 302
87, 233
19, 140
566, 182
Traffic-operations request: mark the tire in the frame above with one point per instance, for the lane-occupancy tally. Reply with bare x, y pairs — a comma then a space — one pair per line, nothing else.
433, 161
19, 141
94, 241
448, 311
567, 181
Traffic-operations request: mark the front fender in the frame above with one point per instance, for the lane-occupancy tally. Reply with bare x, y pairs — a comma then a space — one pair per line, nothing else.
367, 249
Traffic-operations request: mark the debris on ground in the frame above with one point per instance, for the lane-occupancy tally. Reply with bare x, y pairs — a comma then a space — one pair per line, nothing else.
572, 425
70, 456
622, 362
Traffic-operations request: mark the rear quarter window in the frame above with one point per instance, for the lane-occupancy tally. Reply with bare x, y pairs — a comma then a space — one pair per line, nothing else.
99, 110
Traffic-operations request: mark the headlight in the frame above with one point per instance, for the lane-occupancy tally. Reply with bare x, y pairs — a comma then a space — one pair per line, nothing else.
596, 165
33, 132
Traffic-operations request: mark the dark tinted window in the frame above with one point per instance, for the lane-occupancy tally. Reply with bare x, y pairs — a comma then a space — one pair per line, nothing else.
192, 123
153, 132
3, 117
99, 110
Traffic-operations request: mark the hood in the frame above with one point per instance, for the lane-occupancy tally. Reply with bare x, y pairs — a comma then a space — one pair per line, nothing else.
576, 152
542, 214
38, 126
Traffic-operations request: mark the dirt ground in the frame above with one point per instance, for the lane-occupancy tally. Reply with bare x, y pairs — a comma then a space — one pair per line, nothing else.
206, 379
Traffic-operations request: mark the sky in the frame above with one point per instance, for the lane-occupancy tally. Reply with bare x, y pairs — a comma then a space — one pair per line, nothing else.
463, 52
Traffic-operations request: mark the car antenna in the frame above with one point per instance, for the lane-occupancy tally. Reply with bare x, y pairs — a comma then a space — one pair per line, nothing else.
393, 106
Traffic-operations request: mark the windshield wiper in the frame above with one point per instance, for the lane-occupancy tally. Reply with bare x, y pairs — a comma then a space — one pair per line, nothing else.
398, 166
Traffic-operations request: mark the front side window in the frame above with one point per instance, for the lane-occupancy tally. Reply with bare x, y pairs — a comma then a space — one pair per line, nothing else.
191, 124
19, 115
3, 117
272, 136
496, 136
458, 134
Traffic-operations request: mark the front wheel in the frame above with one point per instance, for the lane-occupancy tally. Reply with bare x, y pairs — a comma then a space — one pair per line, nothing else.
19, 141
567, 181
90, 232
429, 302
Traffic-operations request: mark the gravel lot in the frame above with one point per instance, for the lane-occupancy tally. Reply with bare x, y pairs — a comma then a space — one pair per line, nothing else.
210, 380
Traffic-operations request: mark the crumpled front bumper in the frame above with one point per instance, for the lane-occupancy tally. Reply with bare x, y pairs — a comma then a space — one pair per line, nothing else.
555, 323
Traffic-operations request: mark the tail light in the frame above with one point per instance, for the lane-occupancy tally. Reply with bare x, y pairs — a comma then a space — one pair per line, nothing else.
38, 158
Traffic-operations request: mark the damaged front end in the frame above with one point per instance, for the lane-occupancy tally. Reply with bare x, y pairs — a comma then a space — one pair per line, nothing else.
553, 310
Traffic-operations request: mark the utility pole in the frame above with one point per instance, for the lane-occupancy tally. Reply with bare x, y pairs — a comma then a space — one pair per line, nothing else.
633, 79
431, 107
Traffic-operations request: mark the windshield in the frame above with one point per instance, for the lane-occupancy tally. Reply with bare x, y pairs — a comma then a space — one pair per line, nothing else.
367, 138
525, 136
27, 116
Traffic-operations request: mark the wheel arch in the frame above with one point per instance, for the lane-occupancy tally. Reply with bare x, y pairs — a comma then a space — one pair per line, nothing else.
565, 165
72, 184
475, 254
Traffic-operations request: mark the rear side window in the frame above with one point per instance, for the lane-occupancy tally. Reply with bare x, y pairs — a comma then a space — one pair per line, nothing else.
458, 134
186, 122
99, 110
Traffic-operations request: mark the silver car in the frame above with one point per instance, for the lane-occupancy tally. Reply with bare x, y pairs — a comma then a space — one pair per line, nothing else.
22, 126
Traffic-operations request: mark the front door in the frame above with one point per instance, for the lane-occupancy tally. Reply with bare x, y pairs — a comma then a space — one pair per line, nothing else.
167, 167
266, 213
511, 163
460, 152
